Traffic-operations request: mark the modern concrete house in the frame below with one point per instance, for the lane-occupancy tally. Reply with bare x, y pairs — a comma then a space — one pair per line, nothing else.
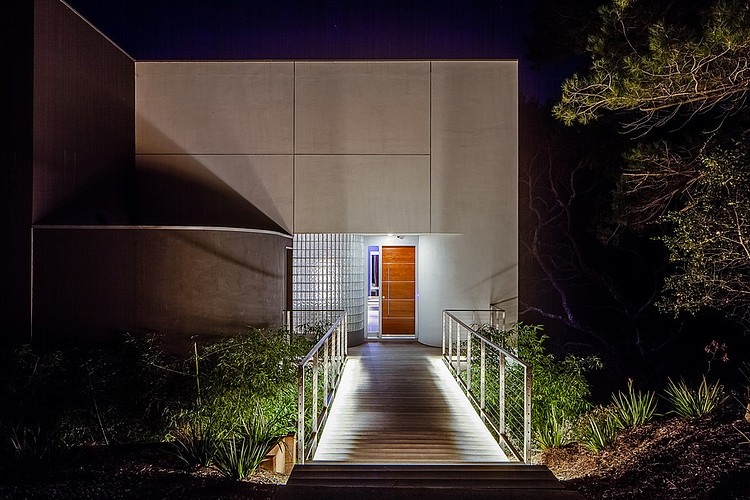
195, 198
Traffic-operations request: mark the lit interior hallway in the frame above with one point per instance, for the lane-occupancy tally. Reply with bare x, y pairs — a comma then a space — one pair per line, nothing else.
397, 403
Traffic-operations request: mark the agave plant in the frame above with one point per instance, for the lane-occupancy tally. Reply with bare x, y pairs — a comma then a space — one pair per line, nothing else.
634, 408
600, 429
554, 432
245, 447
694, 402
195, 440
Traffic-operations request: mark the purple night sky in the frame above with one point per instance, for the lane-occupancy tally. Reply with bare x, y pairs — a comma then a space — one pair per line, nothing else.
343, 29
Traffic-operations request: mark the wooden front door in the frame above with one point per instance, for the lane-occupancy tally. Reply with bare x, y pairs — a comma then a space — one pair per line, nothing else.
398, 306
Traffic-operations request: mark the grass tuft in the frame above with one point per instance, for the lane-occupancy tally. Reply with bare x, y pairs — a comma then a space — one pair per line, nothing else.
633, 408
691, 402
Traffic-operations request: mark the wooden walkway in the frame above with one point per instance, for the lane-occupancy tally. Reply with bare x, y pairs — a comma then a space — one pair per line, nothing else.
397, 403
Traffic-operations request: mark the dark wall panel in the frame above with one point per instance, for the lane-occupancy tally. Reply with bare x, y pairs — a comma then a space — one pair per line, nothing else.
16, 52
93, 284
84, 122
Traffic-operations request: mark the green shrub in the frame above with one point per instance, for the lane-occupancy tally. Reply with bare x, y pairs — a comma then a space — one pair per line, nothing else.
121, 392
634, 408
553, 432
599, 429
256, 361
31, 452
245, 398
694, 402
560, 390
195, 439
245, 446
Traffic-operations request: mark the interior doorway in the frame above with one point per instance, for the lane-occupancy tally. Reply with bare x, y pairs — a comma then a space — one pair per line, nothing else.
391, 292
398, 284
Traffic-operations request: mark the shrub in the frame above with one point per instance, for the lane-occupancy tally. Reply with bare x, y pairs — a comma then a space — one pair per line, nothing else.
690, 402
599, 429
560, 390
195, 439
245, 447
91, 394
634, 408
32, 452
256, 361
553, 432
245, 399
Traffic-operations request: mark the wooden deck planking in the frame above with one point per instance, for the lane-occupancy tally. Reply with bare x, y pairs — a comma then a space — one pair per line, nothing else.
398, 403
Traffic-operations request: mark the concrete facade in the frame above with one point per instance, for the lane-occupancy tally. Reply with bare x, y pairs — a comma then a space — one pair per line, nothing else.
163, 195
422, 148
106, 248
177, 281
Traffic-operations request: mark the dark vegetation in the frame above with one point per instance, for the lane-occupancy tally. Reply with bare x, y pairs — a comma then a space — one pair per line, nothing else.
220, 409
633, 242
633, 228
132, 420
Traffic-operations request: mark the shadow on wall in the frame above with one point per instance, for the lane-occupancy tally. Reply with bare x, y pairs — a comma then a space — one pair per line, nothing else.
95, 283
104, 199
181, 198
180, 188
156, 193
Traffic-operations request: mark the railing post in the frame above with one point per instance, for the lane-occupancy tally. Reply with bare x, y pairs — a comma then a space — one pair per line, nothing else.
450, 344
501, 400
482, 380
339, 351
458, 352
527, 415
344, 334
315, 396
301, 414
468, 361
326, 370
442, 352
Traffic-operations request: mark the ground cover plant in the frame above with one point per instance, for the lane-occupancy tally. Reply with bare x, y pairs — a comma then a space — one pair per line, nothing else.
224, 406
686, 441
62, 397
560, 389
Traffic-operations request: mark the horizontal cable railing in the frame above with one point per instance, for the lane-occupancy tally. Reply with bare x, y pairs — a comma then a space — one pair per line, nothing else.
483, 359
318, 373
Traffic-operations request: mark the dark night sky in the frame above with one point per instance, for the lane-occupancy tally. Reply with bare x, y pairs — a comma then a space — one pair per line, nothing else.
342, 29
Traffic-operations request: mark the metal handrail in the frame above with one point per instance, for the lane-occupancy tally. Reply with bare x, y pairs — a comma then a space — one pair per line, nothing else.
326, 359
507, 416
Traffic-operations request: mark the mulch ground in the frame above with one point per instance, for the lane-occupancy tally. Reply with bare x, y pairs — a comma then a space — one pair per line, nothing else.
672, 458
135, 471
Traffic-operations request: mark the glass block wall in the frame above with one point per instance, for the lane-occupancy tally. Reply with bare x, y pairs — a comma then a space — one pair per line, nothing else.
329, 273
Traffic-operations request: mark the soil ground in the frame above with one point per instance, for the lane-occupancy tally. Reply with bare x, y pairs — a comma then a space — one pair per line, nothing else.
672, 458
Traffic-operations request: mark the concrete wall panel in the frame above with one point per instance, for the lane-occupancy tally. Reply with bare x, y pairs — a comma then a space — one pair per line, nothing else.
97, 283
83, 121
474, 192
214, 107
362, 107
248, 191
362, 194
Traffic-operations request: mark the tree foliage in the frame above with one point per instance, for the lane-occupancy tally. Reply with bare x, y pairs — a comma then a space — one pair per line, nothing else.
676, 76
710, 239
661, 72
